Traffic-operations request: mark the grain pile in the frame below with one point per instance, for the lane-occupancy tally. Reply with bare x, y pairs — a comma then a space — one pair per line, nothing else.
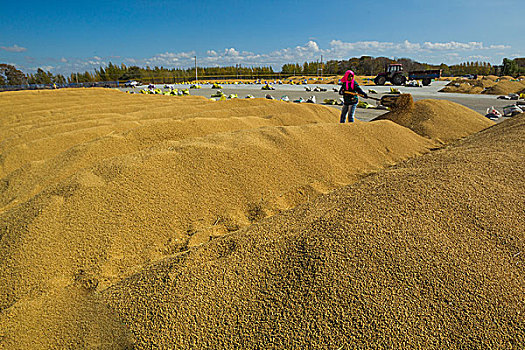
50, 122
297, 79
427, 254
463, 88
324, 80
490, 85
469, 86
439, 120
505, 87
491, 77
96, 185
331, 80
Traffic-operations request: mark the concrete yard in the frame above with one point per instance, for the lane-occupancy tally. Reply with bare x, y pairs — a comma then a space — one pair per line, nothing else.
479, 103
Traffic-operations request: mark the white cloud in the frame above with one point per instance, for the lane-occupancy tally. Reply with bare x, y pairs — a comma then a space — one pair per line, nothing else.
310, 46
342, 47
231, 52
407, 47
498, 47
452, 46
309, 52
63, 60
479, 58
168, 58
14, 48
45, 68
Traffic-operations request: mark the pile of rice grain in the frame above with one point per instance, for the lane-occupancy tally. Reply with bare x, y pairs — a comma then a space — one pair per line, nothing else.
439, 120
491, 77
505, 87
469, 86
37, 125
111, 191
426, 254
99, 184
463, 88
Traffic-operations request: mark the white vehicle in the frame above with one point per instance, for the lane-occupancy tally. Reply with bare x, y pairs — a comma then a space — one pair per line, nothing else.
414, 83
131, 83
311, 100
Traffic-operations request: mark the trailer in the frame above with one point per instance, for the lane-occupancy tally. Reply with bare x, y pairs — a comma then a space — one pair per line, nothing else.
425, 76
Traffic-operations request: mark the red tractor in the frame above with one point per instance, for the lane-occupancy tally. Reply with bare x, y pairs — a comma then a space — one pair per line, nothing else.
395, 74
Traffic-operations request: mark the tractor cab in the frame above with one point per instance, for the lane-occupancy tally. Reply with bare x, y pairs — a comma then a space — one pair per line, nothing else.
394, 68
393, 73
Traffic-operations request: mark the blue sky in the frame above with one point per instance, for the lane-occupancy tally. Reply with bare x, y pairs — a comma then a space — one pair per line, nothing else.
67, 36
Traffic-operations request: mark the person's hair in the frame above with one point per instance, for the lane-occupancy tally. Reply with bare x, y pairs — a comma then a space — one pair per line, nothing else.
345, 79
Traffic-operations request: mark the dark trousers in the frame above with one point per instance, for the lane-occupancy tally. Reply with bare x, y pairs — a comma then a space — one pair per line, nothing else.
350, 110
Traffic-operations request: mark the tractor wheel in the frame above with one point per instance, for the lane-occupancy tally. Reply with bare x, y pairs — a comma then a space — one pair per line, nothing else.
399, 79
380, 80
426, 81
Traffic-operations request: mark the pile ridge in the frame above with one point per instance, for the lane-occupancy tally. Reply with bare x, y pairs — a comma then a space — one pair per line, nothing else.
38, 125
440, 120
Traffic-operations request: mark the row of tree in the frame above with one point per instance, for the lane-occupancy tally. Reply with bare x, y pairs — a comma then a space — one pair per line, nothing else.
169, 75
365, 65
43, 77
9, 75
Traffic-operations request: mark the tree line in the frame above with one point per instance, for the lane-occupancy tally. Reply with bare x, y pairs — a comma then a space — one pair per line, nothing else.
170, 75
9, 75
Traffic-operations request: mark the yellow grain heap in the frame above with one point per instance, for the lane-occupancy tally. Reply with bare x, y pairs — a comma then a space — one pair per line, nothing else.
439, 120
505, 87
143, 221
490, 85
427, 254
96, 185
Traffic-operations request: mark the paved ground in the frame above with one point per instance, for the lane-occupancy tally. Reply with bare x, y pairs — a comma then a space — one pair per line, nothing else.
479, 103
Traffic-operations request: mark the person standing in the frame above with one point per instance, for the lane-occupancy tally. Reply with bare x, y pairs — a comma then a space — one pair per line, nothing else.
350, 89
